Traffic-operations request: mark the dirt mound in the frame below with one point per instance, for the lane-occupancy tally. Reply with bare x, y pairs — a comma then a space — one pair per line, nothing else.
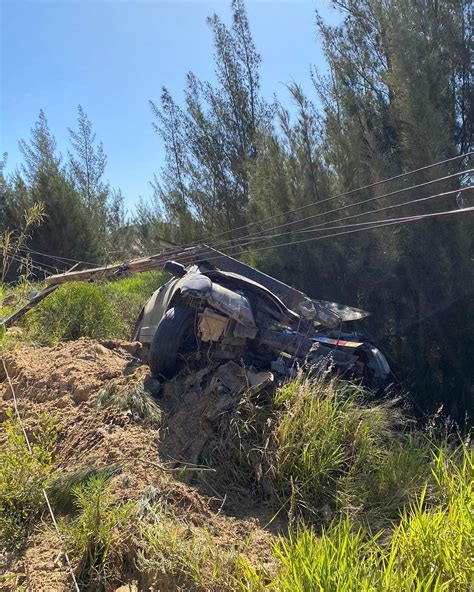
69, 373
64, 382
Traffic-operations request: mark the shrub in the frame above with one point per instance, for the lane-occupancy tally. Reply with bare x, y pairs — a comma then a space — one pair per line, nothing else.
96, 538
324, 446
72, 311
100, 310
129, 294
23, 475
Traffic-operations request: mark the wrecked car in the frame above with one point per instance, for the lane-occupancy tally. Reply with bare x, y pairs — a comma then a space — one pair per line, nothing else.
207, 313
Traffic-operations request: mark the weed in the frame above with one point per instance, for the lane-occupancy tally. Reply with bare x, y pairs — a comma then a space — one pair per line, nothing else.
62, 486
97, 537
23, 475
131, 397
241, 453
187, 555
128, 295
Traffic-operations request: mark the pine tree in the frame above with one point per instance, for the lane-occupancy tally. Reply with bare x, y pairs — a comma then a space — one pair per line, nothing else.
87, 163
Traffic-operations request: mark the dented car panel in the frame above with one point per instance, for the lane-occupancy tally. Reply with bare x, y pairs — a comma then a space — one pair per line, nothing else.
222, 315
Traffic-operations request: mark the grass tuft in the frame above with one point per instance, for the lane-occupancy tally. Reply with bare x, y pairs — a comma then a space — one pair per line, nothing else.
131, 397
62, 487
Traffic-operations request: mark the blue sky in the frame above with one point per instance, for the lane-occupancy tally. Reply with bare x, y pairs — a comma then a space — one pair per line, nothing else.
113, 56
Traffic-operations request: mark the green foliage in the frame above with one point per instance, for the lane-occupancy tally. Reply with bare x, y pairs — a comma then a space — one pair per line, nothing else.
97, 536
128, 295
335, 450
75, 310
62, 486
100, 310
325, 448
188, 555
431, 548
23, 476
133, 398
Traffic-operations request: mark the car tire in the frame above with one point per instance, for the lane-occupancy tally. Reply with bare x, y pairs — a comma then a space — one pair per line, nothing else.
174, 340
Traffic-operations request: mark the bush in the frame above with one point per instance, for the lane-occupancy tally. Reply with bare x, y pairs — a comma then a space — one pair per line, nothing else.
74, 310
129, 294
325, 447
23, 475
100, 310
96, 538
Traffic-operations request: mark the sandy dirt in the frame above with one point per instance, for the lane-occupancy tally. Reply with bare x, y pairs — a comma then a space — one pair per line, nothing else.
63, 382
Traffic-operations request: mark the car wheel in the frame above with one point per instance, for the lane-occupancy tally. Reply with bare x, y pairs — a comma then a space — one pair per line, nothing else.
174, 341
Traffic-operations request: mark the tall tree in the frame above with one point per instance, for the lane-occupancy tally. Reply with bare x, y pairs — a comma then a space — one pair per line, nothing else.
40, 154
209, 142
87, 163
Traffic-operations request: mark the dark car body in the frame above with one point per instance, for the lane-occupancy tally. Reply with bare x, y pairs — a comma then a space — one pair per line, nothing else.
219, 315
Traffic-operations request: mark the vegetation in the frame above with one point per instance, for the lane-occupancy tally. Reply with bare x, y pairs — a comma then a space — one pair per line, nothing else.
63, 485
24, 474
131, 397
429, 549
170, 547
101, 310
369, 498
99, 531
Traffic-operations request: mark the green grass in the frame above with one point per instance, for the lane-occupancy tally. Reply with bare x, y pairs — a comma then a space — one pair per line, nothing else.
187, 557
336, 450
101, 310
23, 475
320, 448
430, 549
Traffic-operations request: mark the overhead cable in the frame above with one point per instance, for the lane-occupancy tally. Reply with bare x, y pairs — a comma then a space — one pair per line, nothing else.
236, 242
343, 194
322, 226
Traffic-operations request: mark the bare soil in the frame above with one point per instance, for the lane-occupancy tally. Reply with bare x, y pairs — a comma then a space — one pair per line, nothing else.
63, 382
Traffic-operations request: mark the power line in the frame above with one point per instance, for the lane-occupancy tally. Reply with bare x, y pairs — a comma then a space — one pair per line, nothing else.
57, 258
410, 219
237, 242
34, 265
45, 494
345, 193
322, 226
377, 224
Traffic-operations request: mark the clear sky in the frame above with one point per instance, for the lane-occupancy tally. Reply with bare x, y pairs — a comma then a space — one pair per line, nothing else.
113, 56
